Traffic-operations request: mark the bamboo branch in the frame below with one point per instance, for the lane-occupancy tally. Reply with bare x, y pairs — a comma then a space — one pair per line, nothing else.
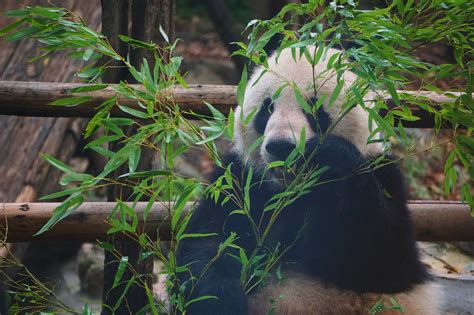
433, 220
32, 99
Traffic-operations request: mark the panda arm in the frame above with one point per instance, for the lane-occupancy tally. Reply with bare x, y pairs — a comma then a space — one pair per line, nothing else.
221, 278
361, 218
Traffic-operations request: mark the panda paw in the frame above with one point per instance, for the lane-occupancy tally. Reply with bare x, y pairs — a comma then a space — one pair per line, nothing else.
341, 156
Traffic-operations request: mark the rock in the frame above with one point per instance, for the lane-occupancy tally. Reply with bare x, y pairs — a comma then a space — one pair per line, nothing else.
467, 247
90, 268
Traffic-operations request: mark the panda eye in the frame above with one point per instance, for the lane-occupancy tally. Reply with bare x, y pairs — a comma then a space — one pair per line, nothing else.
320, 120
268, 105
312, 101
263, 115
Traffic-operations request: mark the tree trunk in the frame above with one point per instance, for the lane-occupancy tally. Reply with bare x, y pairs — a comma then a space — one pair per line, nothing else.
146, 18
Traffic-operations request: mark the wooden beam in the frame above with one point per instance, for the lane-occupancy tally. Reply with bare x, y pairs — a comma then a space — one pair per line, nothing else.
434, 221
32, 99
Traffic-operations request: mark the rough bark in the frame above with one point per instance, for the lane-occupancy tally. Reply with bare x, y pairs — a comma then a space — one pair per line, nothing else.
25, 176
146, 17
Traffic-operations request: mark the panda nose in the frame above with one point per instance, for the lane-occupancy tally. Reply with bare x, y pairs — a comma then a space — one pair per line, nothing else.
280, 148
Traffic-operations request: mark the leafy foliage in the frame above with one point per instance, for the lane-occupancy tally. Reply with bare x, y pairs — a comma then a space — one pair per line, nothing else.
385, 39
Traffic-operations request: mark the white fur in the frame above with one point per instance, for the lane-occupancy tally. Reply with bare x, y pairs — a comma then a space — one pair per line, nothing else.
288, 119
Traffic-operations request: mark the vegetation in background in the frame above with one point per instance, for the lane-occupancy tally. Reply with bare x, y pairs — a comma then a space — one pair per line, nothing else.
382, 59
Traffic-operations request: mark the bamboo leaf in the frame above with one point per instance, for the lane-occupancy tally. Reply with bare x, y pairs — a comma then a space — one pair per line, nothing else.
88, 88
242, 86
120, 271
71, 101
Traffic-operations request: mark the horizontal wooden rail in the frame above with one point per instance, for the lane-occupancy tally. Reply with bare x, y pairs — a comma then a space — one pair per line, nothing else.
434, 221
32, 99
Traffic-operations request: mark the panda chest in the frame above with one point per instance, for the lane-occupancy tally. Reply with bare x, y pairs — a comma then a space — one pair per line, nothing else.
287, 226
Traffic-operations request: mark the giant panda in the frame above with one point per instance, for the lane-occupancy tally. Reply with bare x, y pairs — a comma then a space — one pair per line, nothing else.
358, 245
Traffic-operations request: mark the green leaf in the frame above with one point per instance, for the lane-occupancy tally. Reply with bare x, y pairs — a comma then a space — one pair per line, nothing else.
393, 92
201, 298
62, 211
136, 43
301, 101
466, 193
196, 235
230, 125
336, 92
62, 193
88, 88
23, 33
242, 86
381, 122
302, 141
88, 54
9, 28
179, 205
124, 292
57, 163
75, 177
49, 12
147, 174
215, 113
163, 33
86, 310
278, 91
120, 271
256, 144
275, 164
134, 112
151, 299
71, 101
134, 158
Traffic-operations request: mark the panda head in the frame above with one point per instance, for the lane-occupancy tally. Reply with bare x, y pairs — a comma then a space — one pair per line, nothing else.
281, 121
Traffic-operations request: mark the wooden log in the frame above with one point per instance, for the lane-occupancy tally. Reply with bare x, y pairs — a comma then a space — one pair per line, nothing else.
442, 220
433, 220
32, 98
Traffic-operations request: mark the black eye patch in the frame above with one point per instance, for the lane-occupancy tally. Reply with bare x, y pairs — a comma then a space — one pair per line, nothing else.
261, 119
319, 121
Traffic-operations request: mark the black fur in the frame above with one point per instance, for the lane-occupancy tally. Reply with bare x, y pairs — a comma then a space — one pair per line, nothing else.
357, 237
320, 121
261, 119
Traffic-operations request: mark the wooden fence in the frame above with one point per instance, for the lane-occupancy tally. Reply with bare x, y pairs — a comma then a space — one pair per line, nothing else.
434, 220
